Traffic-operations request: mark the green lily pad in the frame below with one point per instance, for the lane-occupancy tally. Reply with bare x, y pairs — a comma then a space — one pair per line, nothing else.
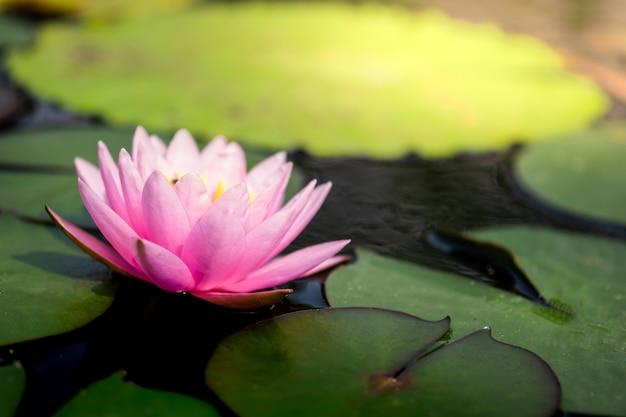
583, 174
37, 168
115, 397
371, 362
585, 273
335, 79
47, 285
54, 149
12, 384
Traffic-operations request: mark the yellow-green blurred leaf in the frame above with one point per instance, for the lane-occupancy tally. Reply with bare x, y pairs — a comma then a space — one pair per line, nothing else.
335, 79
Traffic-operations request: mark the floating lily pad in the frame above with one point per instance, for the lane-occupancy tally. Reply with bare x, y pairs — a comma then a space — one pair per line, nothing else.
37, 168
335, 79
115, 397
47, 285
371, 362
12, 384
55, 149
583, 174
584, 273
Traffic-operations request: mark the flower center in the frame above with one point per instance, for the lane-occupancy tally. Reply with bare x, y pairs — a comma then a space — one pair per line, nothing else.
221, 186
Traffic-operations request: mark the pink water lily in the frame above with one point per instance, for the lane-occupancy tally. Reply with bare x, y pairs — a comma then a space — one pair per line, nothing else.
190, 220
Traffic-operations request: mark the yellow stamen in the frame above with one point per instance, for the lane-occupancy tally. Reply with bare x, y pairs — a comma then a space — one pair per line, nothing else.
253, 196
177, 177
221, 187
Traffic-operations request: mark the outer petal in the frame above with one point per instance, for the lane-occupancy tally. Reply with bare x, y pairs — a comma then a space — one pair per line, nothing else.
162, 267
245, 300
111, 178
164, 215
328, 263
214, 247
287, 268
183, 154
112, 226
262, 244
95, 248
306, 214
132, 187
90, 174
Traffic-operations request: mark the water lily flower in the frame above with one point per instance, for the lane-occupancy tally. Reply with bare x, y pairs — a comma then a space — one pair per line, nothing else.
196, 221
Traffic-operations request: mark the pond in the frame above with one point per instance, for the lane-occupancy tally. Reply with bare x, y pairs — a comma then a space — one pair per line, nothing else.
476, 264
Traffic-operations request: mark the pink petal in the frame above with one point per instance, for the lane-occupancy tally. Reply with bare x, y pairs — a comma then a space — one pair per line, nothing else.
164, 215
282, 179
211, 151
182, 153
229, 166
95, 248
237, 200
246, 300
111, 178
149, 154
287, 268
309, 210
270, 200
132, 187
265, 173
162, 267
111, 225
90, 174
158, 145
262, 244
140, 141
328, 263
193, 196
214, 247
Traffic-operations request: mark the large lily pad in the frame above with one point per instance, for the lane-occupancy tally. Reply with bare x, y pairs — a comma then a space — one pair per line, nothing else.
583, 174
336, 79
584, 273
47, 285
12, 384
37, 168
115, 397
371, 362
